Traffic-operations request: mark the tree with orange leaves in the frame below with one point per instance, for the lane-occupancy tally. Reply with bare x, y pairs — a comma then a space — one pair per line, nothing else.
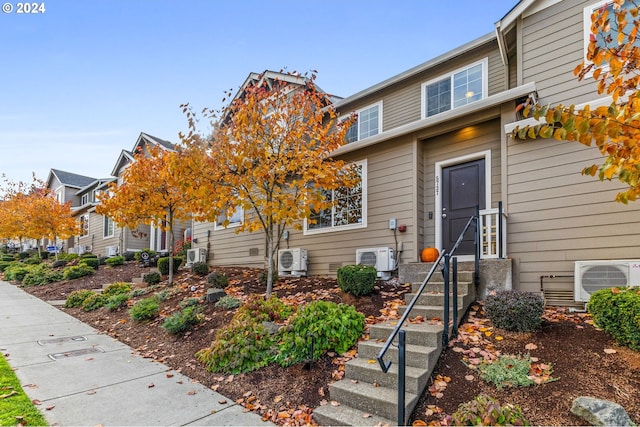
613, 60
155, 191
270, 155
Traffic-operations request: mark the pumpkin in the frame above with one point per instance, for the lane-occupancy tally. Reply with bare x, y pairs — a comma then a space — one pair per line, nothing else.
429, 255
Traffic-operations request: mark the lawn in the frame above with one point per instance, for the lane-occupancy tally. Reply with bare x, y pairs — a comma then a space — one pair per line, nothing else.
15, 406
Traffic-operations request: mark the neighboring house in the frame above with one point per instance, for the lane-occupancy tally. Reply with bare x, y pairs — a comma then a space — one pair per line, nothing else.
95, 230
433, 142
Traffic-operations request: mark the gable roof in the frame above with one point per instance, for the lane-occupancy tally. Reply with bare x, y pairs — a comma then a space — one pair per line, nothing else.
145, 137
125, 157
69, 179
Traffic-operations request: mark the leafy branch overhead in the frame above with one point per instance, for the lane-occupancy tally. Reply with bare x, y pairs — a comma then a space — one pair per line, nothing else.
612, 61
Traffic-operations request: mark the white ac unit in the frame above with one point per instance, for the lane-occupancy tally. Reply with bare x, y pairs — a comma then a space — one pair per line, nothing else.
591, 276
111, 250
80, 249
382, 259
292, 262
196, 255
73, 250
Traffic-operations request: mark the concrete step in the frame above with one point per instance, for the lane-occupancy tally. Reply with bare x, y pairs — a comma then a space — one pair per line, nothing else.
416, 272
415, 355
438, 287
381, 401
329, 415
429, 312
423, 334
369, 371
438, 299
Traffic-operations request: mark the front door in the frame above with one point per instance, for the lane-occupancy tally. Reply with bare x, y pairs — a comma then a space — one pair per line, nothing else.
463, 188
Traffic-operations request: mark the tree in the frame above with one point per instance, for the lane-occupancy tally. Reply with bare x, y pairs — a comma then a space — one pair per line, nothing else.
269, 155
155, 191
613, 59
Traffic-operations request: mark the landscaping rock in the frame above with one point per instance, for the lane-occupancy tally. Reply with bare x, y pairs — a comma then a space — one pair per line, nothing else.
271, 327
598, 412
214, 294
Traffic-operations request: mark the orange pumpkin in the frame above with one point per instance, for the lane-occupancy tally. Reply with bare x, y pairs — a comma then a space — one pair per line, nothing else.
429, 255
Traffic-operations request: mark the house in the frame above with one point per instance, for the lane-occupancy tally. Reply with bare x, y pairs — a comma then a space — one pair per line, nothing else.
433, 142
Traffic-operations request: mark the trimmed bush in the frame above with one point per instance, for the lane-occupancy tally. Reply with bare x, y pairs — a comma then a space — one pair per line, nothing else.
91, 262
145, 309
357, 279
41, 276
116, 301
88, 255
59, 263
259, 309
129, 256
200, 268
183, 320
76, 271
69, 257
190, 301
4, 265
114, 261
228, 302
117, 288
217, 280
33, 260
76, 298
318, 327
152, 278
515, 310
94, 302
163, 264
5, 257
617, 311
138, 292
487, 411
17, 271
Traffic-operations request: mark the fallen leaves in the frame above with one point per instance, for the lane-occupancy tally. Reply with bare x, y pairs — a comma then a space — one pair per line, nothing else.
610, 351
439, 385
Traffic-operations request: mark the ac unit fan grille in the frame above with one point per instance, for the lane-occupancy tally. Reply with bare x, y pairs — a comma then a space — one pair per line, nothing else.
598, 277
286, 259
368, 258
191, 255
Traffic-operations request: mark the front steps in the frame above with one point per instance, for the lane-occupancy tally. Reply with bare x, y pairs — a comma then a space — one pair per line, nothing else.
368, 396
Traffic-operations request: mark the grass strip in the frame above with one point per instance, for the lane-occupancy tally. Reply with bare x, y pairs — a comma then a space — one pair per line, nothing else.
15, 406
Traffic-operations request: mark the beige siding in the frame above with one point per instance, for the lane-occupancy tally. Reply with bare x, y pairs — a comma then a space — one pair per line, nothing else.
138, 238
96, 231
226, 247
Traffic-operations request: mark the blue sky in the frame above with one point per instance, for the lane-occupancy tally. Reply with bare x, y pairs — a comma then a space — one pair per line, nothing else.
82, 80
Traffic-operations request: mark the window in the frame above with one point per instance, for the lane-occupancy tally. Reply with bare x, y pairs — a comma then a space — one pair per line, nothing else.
610, 37
234, 221
108, 227
349, 210
84, 199
368, 123
454, 90
84, 225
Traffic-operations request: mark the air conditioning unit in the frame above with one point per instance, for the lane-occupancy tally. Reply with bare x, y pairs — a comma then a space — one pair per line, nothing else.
111, 250
382, 259
591, 276
80, 249
292, 262
196, 255
73, 250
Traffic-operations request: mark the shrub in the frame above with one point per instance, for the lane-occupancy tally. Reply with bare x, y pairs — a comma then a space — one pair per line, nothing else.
5, 257
138, 292
69, 257
33, 260
515, 310
4, 265
24, 255
183, 320
88, 255
17, 271
617, 311
145, 309
228, 302
138, 255
91, 262
116, 289
116, 301
200, 268
129, 256
41, 275
76, 271
76, 298
94, 302
190, 302
114, 261
163, 264
217, 280
263, 277
152, 278
182, 246
357, 279
163, 295
487, 411
59, 263
507, 371
318, 327
259, 309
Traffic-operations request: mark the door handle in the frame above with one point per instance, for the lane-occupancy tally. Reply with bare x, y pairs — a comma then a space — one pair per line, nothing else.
444, 215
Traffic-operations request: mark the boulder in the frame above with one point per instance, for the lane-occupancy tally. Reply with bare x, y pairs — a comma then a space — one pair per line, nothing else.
598, 412
214, 294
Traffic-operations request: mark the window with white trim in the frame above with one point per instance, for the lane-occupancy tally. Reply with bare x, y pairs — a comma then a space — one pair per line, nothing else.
84, 225
234, 221
368, 123
349, 210
109, 228
609, 38
84, 199
461, 87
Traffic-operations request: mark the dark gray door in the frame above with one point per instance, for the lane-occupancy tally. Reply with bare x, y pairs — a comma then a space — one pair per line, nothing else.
463, 188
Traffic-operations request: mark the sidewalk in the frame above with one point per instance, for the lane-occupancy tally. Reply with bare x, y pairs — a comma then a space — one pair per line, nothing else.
86, 378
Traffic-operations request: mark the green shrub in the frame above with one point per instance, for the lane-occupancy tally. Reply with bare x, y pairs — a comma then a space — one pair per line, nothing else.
138, 292
200, 268
258, 309
94, 302
88, 255
69, 257
91, 262
59, 263
117, 288
4, 265
487, 411
116, 301
263, 277
152, 278
228, 302
617, 311
242, 346
145, 309
357, 279
183, 320
217, 280
76, 298
24, 255
5, 257
76, 271
318, 327
17, 271
138, 255
129, 256
114, 261
163, 264
163, 295
33, 260
515, 310
190, 301
41, 275
507, 371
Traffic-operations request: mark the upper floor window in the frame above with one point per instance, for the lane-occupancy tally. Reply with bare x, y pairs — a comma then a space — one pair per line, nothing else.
454, 90
234, 221
109, 228
368, 123
84, 199
84, 225
349, 209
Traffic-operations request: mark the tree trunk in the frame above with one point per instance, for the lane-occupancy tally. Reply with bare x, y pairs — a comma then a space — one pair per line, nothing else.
171, 244
269, 264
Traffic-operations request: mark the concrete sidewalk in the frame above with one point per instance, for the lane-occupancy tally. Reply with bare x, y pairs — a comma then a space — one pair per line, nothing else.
91, 379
